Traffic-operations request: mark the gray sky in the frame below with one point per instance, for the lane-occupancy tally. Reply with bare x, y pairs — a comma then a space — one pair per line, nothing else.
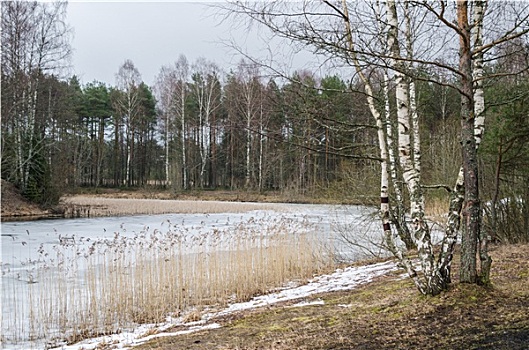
153, 34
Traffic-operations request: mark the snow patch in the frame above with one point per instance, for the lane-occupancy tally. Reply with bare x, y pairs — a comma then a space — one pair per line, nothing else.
340, 280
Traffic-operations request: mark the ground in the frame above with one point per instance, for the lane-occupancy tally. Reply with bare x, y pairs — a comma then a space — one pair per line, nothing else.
388, 313
14, 205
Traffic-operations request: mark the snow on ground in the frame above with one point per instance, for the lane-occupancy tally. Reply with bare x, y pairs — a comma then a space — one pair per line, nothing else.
342, 279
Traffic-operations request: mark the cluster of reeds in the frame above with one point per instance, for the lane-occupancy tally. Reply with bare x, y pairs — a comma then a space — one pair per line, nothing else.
96, 206
88, 287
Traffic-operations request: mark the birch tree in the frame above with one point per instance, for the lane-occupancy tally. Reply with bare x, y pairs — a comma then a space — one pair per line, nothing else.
164, 88
35, 42
333, 32
248, 78
172, 91
182, 75
127, 103
207, 96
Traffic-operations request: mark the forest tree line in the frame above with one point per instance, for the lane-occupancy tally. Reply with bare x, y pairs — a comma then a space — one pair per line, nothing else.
199, 127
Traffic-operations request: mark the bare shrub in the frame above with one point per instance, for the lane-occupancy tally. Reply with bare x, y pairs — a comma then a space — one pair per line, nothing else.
507, 221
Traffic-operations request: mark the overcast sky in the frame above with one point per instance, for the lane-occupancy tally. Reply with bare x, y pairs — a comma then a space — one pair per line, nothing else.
153, 34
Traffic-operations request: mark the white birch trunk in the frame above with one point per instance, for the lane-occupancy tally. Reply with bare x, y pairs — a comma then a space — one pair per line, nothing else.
248, 143
211, 105
261, 140
410, 174
399, 209
476, 33
166, 145
412, 94
183, 138
415, 128
208, 103
182, 72
390, 238
400, 212
477, 41
199, 93
128, 162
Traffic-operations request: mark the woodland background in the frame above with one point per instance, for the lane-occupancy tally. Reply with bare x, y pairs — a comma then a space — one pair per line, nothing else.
200, 128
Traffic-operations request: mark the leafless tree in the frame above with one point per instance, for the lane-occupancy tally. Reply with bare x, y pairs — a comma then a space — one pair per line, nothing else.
35, 42
127, 104
206, 92
381, 35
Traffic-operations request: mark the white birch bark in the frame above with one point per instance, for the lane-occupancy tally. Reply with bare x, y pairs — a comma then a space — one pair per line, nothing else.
182, 75
399, 209
183, 134
411, 176
165, 85
212, 103
199, 92
248, 101
412, 94
248, 137
476, 33
128, 80
208, 103
166, 145
390, 238
261, 141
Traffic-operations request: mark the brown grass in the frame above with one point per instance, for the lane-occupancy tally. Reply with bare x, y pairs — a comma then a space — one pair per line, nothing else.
155, 275
437, 209
91, 206
387, 314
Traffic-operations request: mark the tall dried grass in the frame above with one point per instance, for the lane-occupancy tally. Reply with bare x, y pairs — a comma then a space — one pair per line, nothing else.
437, 209
99, 206
93, 287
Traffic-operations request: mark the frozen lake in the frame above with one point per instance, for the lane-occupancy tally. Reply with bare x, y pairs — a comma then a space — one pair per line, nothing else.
31, 247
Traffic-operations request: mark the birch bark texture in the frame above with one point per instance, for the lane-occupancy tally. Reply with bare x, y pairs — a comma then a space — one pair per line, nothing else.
411, 41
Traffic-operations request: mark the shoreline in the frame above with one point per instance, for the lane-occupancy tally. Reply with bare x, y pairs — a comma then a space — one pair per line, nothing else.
83, 206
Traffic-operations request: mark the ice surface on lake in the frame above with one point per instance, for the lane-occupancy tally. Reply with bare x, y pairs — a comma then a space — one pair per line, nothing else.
27, 246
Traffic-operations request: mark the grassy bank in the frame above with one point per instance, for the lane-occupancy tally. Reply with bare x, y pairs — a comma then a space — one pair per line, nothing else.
387, 314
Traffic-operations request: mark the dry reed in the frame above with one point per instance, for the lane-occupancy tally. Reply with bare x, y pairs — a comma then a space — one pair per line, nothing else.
99, 206
92, 287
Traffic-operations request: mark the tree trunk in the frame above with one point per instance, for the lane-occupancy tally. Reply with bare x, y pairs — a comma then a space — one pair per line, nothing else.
471, 207
479, 123
166, 146
384, 197
411, 174
248, 146
183, 138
